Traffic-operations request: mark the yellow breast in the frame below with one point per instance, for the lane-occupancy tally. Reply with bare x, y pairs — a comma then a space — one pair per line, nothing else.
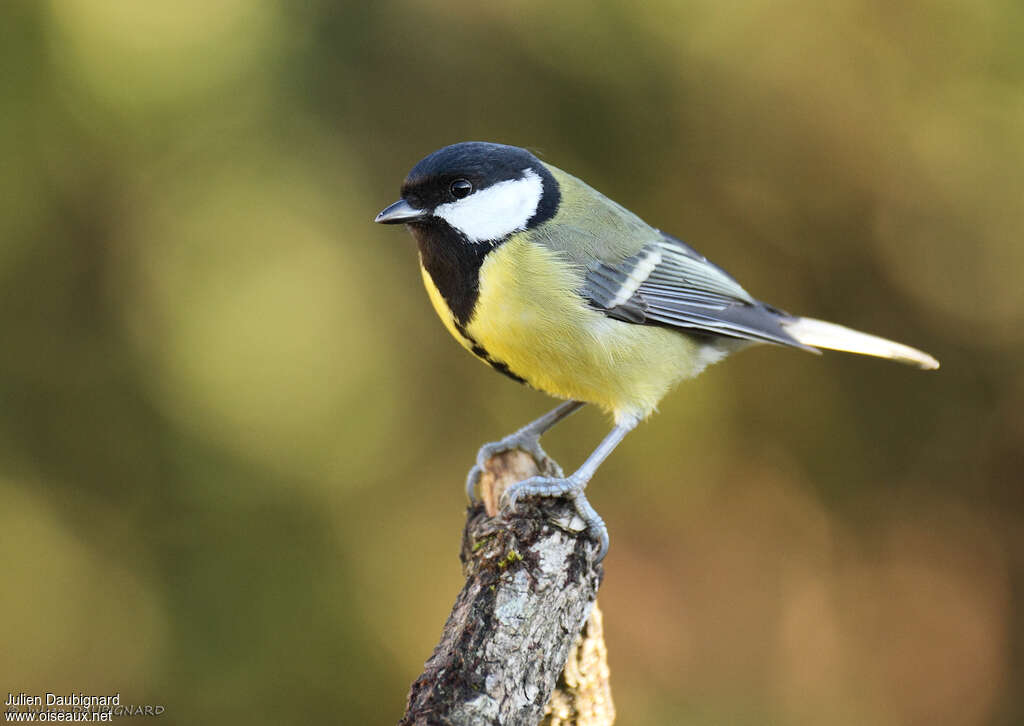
530, 317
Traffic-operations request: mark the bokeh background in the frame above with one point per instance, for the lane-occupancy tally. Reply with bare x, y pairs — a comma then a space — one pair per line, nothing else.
233, 434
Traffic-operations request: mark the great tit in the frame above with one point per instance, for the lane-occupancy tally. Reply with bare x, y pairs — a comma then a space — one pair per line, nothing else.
555, 285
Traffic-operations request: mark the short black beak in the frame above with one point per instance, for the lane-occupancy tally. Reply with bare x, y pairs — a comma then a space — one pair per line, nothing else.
401, 212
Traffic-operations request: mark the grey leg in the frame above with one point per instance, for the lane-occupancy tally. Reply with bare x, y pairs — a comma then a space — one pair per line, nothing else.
527, 438
573, 485
548, 420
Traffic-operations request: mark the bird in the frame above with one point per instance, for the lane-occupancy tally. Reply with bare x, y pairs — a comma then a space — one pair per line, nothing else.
557, 286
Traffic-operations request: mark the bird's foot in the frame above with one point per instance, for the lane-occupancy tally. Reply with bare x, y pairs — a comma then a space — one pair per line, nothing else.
571, 487
529, 443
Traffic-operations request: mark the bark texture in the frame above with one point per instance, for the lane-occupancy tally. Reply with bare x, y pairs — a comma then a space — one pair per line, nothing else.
583, 696
531, 585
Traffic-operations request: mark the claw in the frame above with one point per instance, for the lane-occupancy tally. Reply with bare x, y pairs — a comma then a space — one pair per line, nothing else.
472, 480
529, 444
543, 486
546, 486
595, 524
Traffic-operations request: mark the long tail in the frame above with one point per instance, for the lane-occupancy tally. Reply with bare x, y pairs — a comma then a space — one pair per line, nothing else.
819, 334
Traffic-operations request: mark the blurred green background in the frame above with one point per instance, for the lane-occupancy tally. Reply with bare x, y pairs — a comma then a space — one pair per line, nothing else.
233, 434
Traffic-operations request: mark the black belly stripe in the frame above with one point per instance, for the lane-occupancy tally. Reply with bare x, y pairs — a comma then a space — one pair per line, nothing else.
481, 352
503, 368
454, 266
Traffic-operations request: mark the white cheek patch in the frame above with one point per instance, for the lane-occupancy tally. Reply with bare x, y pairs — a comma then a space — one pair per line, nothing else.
497, 211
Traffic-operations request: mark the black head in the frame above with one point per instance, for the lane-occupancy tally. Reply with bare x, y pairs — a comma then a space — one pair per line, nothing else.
483, 191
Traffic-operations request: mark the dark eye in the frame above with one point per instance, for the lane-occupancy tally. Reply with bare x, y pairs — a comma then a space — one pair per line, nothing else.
461, 188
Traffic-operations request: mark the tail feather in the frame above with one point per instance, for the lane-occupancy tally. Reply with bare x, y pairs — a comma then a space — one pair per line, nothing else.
819, 334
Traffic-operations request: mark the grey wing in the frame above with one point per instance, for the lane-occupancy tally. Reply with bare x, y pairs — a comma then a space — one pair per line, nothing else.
668, 283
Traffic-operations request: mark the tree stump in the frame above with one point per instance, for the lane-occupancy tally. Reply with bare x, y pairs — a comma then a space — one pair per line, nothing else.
523, 644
